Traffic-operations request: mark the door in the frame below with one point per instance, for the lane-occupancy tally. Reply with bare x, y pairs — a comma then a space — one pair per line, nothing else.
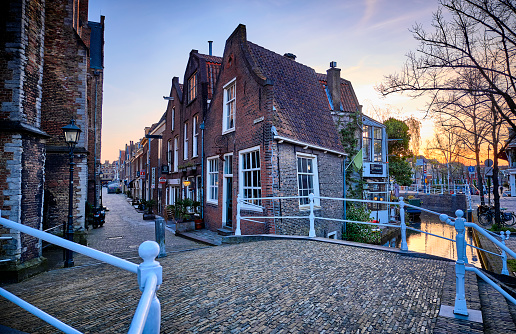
228, 201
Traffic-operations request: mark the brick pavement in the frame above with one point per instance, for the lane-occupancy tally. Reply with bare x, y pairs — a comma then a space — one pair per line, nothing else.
124, 231
263, 287
278, 286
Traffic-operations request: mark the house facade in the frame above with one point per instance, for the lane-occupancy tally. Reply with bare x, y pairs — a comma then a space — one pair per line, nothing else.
260, 124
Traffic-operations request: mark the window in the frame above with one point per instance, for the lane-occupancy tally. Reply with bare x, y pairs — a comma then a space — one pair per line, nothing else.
307, 178
185, 142
176, 153
192, 87
195, 135
366, 146
173, 119
250, 177
378, 144
372, 143
198, 187
228, 164
169, 155
213, 180
229, 107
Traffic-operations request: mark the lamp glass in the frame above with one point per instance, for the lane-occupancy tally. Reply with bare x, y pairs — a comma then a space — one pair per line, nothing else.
186, 183
72, 133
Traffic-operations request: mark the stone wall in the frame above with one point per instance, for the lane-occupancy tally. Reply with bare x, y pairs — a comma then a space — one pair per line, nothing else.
444, 203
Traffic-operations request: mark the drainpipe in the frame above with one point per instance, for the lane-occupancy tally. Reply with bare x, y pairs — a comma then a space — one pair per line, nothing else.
202, 166
344, 193
95, 201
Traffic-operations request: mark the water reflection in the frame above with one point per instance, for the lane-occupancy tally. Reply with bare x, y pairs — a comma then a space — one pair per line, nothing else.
424, 243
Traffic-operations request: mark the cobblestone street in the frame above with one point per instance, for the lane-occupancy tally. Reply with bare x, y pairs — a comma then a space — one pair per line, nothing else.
279, 286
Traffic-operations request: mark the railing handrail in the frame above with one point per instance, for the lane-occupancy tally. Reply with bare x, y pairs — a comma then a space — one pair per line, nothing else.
148, 313
90, 252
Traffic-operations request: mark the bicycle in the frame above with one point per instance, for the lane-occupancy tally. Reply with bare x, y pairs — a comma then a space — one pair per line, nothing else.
486, 214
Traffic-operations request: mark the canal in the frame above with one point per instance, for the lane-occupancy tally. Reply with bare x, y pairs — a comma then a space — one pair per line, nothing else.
424, 243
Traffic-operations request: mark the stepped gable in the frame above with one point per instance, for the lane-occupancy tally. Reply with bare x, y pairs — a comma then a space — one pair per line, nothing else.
302, 111
347, 94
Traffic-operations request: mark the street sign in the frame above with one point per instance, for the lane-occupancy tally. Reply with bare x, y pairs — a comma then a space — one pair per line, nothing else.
162, 180
488, 163
471, 169
489, 171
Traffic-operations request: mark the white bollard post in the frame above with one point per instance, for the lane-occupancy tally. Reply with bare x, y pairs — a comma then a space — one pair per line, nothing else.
311, 234
148, 251
238, 217
460, 268
505, 270
404, 245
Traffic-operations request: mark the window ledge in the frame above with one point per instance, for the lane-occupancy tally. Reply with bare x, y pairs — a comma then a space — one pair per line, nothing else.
228, 131
216, 203
307, 207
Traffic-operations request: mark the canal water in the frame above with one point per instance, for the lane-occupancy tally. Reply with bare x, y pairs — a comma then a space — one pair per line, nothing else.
429, 244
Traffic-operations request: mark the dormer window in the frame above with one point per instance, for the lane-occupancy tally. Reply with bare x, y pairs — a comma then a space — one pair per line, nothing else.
192, 87
228, 119
372, 143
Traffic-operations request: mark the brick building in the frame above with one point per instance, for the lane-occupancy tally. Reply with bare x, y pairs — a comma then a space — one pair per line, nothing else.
260, 124
50, 72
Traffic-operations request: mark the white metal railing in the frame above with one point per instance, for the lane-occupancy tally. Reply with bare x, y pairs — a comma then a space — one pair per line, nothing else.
147, 317
460, 242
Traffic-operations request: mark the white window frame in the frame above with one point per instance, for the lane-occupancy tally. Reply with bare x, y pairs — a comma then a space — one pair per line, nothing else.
195, 135
315, 179
173, 119
192, 87
225, 125
212, 175
185, 141
176, 153
257, 207
169, 155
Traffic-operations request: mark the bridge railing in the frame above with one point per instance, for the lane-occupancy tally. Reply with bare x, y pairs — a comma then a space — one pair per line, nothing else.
147, 317
458, 222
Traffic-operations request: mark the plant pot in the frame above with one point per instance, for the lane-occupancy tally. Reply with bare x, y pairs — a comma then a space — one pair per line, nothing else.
185, 226
199, 224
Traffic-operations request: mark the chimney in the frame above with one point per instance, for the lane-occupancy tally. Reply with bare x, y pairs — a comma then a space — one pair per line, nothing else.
333, 79
210, 43
290, 56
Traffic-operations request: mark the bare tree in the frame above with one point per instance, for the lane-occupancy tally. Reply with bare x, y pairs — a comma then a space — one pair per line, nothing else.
470, 37
415, 134
445, 146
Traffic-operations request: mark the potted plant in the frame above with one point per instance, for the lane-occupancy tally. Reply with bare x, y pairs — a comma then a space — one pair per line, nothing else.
147, 212
182, 216
197, 217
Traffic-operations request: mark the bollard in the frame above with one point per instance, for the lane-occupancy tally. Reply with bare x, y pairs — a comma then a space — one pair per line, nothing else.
160, 235
238, 217
404, 245
505, 270
311, 233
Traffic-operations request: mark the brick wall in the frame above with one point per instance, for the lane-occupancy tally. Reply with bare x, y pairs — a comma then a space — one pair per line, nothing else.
21, 141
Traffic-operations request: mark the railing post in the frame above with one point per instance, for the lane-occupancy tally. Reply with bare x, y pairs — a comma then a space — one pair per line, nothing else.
311, 234
148, 251
505, 271
238, 217
404, 245
460, 268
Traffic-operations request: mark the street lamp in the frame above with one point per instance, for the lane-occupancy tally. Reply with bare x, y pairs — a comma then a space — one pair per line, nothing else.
72, 133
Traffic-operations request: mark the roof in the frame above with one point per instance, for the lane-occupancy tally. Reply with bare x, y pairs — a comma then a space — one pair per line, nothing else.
306, 117
347, 94
213, 64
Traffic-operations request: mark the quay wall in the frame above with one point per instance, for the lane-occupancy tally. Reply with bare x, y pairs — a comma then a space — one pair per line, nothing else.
443, 203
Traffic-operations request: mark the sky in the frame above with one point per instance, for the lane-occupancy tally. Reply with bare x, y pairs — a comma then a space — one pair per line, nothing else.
147, 43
